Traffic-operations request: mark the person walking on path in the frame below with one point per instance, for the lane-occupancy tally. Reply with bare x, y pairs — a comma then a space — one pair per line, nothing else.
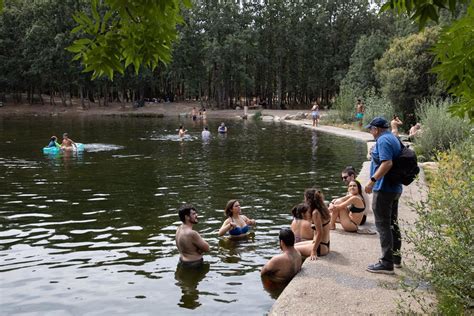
385, 196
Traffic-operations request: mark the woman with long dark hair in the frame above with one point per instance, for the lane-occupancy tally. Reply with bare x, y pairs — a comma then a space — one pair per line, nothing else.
321, 218
350, 208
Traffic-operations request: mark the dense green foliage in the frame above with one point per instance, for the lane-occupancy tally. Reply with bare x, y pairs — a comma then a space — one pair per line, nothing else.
403, 71
440, 131
455, 55
443, 236
361, 76
422, 11
120, 33
279, 53
454, 51
377, 105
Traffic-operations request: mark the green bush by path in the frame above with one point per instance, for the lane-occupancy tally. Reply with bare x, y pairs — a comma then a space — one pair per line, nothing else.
443, 236
439, 130
346, 105
376, 105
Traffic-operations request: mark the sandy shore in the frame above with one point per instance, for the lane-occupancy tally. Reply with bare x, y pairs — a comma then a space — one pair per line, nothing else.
116, 109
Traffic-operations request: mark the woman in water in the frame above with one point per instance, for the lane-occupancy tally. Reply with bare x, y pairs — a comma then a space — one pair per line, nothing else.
301, 224
236, 224
350, 208
320, 217
222, 128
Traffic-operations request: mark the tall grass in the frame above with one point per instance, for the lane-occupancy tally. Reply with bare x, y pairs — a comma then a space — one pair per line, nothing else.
439, 129
443, 237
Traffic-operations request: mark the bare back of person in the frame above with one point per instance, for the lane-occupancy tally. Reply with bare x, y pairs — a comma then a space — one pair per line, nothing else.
286, 266
188, 241
302, 230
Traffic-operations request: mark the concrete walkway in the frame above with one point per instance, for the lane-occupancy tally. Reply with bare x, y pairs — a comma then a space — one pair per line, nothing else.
338, 283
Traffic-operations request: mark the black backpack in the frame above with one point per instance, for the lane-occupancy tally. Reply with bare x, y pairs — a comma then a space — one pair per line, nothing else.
405, 167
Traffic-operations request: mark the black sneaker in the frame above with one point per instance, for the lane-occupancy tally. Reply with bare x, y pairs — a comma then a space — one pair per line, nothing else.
380, 268
397, 265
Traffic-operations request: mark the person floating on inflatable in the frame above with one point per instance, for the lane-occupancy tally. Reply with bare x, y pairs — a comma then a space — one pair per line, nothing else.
53, 142
222, 128
67, 143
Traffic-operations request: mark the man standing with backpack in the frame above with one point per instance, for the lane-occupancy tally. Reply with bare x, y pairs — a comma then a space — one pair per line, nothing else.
386, 195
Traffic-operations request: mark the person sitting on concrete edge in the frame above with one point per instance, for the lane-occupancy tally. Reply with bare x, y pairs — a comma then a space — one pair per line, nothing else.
320, 218
349, 174
349, 209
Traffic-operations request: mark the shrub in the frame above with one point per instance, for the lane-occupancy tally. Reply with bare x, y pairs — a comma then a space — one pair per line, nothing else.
376, 105
345, 105
443, 236
403, 71
439, 129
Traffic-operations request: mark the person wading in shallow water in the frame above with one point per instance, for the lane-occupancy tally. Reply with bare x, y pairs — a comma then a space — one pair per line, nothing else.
190, 244
283, 267
67, 143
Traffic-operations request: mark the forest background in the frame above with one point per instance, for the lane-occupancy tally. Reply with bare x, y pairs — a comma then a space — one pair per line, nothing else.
280, 54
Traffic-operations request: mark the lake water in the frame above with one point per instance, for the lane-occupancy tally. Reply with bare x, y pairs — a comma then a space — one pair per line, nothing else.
93, 233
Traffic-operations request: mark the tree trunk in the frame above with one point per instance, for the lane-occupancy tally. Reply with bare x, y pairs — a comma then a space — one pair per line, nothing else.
81, 94
63, 98
106, 94
40, 97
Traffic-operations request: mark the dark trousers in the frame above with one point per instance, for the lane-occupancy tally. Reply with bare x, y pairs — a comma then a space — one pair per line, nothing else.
385, 207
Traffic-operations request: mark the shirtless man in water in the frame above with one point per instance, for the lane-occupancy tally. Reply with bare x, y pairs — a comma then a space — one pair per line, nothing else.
283, 267
190, 244
67, 143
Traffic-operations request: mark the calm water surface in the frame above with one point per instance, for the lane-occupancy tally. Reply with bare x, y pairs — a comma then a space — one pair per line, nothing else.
94, 233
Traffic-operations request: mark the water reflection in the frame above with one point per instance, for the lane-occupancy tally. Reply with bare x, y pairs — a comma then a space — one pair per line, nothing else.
273, 288
113, 210
188, 279
230, 250
314, 144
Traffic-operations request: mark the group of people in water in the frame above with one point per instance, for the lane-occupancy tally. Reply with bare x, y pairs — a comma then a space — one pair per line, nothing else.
66, 144
307, 237
205, 134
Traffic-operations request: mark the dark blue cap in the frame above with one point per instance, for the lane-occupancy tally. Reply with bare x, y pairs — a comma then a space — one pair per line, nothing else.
378, 122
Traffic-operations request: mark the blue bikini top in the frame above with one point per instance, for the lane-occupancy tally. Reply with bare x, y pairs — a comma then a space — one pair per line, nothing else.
239, 230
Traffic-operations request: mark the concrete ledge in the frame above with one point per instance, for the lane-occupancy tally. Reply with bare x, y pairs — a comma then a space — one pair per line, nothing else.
338, 283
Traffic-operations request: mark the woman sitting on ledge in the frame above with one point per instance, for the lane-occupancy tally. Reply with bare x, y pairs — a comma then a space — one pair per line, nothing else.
349, 208
236, 224
301, 224
321, 217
